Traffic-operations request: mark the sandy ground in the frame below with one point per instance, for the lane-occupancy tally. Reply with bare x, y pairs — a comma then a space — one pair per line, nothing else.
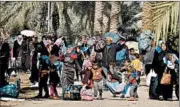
108, 101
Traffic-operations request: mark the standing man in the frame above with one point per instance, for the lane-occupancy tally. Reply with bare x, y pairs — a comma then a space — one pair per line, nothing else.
17, 50
109, 55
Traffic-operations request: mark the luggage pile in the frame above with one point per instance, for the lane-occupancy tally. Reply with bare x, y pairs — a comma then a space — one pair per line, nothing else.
72, 92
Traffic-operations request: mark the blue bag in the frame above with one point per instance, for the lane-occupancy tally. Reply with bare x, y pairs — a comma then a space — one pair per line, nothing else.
11, 90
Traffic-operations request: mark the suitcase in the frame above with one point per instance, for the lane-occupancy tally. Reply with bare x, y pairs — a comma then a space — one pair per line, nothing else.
72, 92
153, 88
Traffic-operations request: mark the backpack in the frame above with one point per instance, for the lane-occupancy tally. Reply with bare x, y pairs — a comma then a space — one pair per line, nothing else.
44, 62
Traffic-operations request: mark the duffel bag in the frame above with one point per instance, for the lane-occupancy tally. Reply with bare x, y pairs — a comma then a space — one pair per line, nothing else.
115, 87
11, 90
87, 94
100, 44
71, 92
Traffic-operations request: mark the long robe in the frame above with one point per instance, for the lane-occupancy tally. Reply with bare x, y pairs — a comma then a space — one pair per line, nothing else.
4, 57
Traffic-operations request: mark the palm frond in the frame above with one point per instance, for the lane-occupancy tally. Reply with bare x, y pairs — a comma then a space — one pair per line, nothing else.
164, 13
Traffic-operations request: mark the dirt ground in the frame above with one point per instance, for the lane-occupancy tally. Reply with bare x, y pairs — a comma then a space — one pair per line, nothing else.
108, 101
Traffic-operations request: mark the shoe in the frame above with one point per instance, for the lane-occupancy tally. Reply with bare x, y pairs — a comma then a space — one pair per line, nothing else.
169, 99
100, 98
51, 97
114, 95
122, 96
38, 96
35, 85
161, 98
46, 96
132, 99
56, 98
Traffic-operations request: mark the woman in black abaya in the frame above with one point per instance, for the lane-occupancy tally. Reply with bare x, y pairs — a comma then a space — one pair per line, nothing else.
164, 91
4, 58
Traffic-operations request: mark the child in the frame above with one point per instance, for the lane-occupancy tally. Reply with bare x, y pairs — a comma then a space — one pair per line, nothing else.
97, 80
125, 77
132, 82
87, 77
136, 63
131, 54
54, 80
44, 67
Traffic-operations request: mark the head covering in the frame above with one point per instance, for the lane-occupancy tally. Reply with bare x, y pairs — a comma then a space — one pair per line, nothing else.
87, 63
109, 38
160, 42
58, 41
19, 36
19, 39
45, 42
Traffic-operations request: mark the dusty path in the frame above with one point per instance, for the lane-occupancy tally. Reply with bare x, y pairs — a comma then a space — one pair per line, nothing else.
108, 101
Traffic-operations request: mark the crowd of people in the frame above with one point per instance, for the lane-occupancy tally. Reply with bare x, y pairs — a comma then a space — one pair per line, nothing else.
54, 62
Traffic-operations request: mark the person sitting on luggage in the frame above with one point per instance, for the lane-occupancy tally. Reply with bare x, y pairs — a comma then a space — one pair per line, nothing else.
98, 80
54, 80
126, 64
136, 63
124, 70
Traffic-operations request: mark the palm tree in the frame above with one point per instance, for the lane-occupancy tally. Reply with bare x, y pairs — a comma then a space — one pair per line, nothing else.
115, 10
162, 18
98, 18
106, 17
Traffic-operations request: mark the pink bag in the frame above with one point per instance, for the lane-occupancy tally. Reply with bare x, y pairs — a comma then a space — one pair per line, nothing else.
87, 98
86, 94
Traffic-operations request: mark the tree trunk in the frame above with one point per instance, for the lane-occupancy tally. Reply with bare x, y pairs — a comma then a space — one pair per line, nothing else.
98, 20
92, 19
115, 10
147, 17
67, 22
105, 23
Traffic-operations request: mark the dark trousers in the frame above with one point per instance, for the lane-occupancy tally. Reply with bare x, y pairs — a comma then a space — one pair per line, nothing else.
43, 85
3, 69
34, 73
148, 68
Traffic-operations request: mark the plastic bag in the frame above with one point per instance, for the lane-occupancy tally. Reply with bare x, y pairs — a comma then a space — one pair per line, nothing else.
148, 78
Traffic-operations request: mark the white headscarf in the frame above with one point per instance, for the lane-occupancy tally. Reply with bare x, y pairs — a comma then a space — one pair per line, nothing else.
18, 39
58, 41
